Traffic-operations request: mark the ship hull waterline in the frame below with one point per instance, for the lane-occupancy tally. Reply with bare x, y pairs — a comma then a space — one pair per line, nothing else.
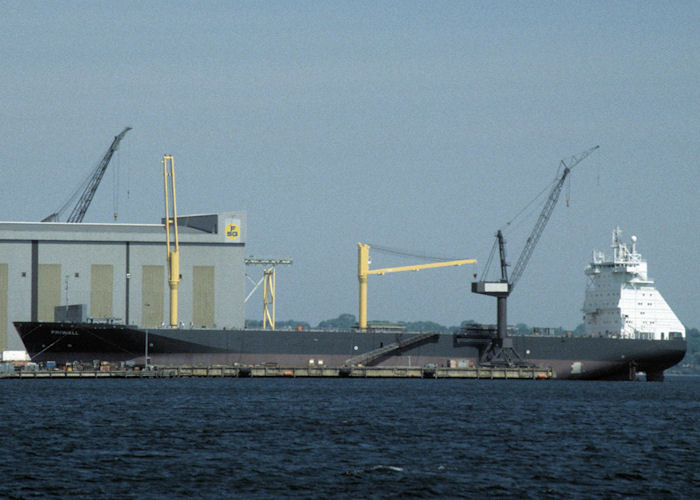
591, 358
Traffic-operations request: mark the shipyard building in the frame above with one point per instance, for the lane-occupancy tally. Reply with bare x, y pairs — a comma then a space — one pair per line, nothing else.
118, 272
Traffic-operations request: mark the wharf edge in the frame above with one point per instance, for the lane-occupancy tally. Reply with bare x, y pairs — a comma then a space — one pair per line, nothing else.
477, 372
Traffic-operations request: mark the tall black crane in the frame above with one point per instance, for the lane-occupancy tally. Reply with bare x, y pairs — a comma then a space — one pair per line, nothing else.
89, 186
501, 350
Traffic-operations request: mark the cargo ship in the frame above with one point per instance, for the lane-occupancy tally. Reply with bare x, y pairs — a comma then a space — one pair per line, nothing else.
629, 329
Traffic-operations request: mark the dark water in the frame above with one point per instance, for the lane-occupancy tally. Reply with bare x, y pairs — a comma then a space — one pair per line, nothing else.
348, 438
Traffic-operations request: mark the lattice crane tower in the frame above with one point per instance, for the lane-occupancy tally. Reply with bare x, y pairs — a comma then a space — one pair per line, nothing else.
268, 279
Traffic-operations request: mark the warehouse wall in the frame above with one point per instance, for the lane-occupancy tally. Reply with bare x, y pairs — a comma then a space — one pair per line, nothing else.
15, 256
119, 272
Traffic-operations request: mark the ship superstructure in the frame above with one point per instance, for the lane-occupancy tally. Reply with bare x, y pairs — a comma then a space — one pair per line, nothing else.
621, 300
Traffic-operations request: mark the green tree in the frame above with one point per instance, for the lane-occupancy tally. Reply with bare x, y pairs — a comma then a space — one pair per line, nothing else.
342, 322
522, 329
424, 326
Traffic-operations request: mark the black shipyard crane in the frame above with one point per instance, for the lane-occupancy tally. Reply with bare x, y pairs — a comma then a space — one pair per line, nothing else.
501, 348
88, 187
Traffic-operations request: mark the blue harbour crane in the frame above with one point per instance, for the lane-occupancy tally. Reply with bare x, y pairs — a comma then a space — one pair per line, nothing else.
501, 348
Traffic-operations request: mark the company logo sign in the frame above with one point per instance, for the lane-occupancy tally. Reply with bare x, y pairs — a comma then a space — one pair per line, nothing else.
233, 230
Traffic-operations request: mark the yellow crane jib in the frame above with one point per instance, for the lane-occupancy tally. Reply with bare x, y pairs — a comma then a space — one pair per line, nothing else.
172, 244
363, 271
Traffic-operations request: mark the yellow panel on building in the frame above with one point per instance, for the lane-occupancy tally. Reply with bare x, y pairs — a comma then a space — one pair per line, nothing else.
203, 296
152, 295
49, 290
101, 295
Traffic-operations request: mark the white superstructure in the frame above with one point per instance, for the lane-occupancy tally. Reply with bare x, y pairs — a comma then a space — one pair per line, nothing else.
621, 301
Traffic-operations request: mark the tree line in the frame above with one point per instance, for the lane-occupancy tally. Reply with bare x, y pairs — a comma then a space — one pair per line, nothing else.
349, 321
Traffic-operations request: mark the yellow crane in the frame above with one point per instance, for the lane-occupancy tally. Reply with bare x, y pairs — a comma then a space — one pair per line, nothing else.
173, 248
268, 287
363, 271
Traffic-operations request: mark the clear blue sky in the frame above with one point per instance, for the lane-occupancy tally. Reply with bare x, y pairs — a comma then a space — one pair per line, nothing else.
422, 126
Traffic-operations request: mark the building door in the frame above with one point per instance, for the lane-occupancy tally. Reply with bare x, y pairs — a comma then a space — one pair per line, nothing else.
101, 286
152, 286
203, 296
49, 290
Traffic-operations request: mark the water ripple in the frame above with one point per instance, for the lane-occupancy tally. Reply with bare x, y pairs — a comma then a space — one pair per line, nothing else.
213, 438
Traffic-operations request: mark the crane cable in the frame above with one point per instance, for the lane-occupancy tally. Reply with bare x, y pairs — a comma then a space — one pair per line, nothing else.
402, 253
81, 187
487, 267
115, 185
529, 205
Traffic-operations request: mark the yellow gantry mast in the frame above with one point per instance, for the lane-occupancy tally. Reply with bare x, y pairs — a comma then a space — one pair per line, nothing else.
269, 299
363, 272
173, 247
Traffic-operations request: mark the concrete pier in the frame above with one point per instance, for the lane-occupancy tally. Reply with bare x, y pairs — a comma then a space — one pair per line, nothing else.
476, 372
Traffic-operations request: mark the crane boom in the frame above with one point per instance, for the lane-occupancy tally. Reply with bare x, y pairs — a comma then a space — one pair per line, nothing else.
79, 210
363, 271
91, 184
545, 215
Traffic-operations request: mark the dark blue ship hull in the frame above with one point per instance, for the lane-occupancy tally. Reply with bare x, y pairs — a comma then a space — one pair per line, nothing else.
568, 357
